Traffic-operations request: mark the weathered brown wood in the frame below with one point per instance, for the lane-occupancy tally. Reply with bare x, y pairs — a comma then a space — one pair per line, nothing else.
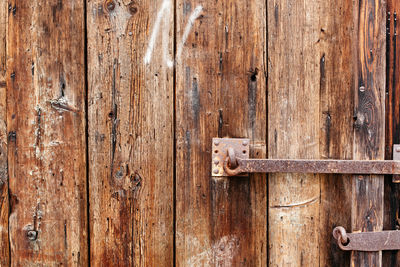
369, 121
336, 123
294, 56
4, 204
392, 130
130, 114
220, 92
46, 133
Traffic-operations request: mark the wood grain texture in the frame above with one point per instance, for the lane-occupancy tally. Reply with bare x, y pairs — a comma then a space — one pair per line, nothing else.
46, 133
392, 130
130, 113
369, 121
294, 55
4, 203
336, 123
220, 92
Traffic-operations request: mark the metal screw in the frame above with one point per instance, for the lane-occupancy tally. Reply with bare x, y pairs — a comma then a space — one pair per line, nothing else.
216, 142
362, 88
216, 171
245, 143
216, 161
397, 149
32, 235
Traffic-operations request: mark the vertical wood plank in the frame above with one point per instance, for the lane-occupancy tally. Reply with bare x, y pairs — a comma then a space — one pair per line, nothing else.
392, 130
220, 92
130, 119
294, 57
336, 123
4, 203
46, 133
369, 121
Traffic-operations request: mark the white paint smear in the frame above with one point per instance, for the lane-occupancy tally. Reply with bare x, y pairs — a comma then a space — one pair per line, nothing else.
163, 17
195, 14
166, 5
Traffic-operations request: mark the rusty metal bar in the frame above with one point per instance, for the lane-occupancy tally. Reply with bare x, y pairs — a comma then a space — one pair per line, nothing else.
367, 241
231, 158
314, 166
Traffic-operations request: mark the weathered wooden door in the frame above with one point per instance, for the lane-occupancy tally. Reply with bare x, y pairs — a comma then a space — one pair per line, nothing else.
108, 109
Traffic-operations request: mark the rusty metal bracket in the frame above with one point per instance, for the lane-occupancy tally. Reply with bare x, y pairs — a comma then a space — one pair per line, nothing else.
367, 241
230, 157
221, 147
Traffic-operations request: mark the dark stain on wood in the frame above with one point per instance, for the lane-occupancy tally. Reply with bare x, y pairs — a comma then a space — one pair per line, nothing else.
252, 96
195, 101
276, 14
114, 119
220, 122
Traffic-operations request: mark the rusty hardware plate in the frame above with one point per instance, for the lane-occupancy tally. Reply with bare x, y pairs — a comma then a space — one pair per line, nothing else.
369, 241
220, 153
396, 156
221, 162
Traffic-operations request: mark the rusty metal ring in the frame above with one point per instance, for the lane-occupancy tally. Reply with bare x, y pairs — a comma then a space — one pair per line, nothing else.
339, 233
228, 170
232, 158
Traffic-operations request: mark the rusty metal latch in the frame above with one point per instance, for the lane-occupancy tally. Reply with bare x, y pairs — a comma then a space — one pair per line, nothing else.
367, 241
230, 157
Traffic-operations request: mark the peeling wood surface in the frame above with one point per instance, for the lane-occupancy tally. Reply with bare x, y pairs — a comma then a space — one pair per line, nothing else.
220, 92
130, 114
4, 203
46, 144
369, 121
392, 108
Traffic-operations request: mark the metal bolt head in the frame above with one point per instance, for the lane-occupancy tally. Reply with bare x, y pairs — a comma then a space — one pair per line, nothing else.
245, 143
215, 171
397, 149
32, 235
216, 142
216, 161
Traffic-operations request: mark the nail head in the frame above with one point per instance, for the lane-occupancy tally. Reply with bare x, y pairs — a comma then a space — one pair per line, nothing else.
32, 235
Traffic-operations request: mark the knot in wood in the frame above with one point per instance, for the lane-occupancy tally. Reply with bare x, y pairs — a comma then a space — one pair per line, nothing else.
133, 8
359, 120
110, 5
